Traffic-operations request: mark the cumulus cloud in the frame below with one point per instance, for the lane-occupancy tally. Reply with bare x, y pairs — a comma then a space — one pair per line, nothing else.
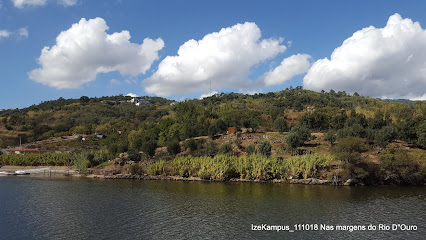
25, 3
4, 34
223, 58
131, 95
85, 50
289, 67
387, 62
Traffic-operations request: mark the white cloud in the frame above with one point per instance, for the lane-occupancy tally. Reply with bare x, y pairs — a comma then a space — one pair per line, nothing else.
130, 81
208, 95
4, 34
37, 3
387, 62
115, 82
67, 3
131, 95
223, 57
85, 50
289, 67
24, 3
23, 32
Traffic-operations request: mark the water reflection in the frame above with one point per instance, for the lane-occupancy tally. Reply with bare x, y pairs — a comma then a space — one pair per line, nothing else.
82, 209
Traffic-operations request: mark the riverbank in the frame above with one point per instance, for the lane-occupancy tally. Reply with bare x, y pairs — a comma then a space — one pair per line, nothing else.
64, 171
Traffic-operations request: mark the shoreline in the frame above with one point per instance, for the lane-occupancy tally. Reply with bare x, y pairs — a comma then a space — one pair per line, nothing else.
64, 171
68, 172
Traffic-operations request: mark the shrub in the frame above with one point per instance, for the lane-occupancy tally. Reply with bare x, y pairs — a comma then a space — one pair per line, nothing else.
250, 149
173, 147
135, 169
226, 148
211, 148
264, 148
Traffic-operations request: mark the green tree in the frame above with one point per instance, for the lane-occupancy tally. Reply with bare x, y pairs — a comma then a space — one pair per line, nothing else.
349, 149
149, 147
280, 125
421, 135
297, 136
173, 147
331, 136
264, 148
385, 135
211, 148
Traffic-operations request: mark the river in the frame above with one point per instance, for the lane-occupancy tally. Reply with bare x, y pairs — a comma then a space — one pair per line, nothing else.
74, 208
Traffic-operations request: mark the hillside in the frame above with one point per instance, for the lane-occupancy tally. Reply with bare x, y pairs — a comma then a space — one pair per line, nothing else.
362, 134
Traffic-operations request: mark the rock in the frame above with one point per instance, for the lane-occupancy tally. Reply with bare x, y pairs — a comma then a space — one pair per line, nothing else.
350, 182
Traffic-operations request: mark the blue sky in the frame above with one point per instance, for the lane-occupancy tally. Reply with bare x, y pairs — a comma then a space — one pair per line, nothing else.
304, 33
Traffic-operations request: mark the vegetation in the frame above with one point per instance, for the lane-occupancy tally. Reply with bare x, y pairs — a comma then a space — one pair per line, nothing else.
370, 140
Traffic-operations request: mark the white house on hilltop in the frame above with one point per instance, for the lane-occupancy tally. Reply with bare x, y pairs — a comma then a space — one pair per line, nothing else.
139, 102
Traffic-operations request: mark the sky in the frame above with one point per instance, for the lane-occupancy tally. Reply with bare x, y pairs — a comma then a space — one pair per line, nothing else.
191, 49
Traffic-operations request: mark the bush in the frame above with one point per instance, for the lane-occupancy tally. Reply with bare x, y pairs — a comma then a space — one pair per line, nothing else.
250, 149
211, 148
173, 147
264, 148
226, 148
399, 167
135, 169
191, 144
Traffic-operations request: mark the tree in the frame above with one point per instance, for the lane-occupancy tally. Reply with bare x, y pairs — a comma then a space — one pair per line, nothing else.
349, 149
331, 136
135, 139
173, 147
191, 144
264, 148
84, 99
280, 125
149, 147
385, 135
294, 140
297, 136
421, 135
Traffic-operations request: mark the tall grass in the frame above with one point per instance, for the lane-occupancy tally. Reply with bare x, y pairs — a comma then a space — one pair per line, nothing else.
36, 159
251, 167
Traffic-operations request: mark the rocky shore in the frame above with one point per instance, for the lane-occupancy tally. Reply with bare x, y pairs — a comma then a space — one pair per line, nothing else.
308, 181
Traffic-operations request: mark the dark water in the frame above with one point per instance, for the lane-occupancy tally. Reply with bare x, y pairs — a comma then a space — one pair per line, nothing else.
43, 208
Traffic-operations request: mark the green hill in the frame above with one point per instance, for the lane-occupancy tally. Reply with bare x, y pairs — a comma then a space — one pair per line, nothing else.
113, 125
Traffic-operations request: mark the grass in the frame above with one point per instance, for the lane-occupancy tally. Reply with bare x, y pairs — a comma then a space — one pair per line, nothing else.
252, 167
